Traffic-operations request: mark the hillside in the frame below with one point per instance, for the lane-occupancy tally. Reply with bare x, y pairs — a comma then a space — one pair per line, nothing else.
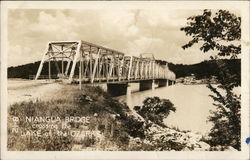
23, 71
201, 70
205, 69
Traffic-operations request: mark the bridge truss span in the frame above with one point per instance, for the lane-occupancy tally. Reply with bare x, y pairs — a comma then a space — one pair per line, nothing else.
82, 61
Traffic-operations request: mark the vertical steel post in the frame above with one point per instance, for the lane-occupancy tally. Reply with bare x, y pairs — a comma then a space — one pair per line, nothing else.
121, 69
80, 73
130, 67
136, 68
153, 69
142, 69
49, 68
95, 66
100, 68
111, 65
90, 63
62, 60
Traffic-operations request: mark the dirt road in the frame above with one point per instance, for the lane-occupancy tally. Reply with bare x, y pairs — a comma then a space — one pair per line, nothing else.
24, 90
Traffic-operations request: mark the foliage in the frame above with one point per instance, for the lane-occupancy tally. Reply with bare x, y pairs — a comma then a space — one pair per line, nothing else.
107, 115
169, 145
33, 109
89, 141
134, 127
214, 32
158, 145
206, 69
155, 109
226, 119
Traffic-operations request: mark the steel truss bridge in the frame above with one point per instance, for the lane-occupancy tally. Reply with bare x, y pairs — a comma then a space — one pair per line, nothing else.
80, 61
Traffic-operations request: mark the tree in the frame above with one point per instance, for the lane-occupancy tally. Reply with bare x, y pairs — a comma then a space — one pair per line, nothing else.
226, 117
155, 109
222, 32
217, 31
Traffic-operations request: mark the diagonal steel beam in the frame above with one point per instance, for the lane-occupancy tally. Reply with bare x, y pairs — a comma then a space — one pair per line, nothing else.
74, 62
42, 61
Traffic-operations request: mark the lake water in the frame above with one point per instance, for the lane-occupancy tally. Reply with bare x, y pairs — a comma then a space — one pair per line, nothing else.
191, 101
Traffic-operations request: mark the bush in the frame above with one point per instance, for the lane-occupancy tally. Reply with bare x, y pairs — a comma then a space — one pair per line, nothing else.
89, 141
112, 118
134, 127
155, 109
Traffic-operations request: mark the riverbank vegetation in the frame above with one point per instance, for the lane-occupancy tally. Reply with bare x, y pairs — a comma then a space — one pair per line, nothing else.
220, 31
109, 119
206, 69
111, 125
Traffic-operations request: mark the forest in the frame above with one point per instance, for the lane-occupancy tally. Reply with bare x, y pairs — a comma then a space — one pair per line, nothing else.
204, 69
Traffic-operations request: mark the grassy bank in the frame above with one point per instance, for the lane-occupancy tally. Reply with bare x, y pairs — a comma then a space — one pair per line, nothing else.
105, 124
109, 126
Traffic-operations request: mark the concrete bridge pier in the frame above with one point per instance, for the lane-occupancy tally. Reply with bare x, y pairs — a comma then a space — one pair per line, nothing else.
145, 85
154, 84
171, 83
129, 89
163, 82
117, 89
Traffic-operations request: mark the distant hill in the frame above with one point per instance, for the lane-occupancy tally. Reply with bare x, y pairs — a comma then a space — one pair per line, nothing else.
201, 70
205, 69
23, 71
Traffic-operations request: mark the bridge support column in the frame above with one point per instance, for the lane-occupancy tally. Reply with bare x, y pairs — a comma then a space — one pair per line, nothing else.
170, 83
154, 84
145, 85
117, 89
129, 90
162, 82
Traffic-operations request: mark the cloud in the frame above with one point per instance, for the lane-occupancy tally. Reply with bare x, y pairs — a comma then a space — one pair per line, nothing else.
129, 31
54, 27
21, 53
144, 45
132, 30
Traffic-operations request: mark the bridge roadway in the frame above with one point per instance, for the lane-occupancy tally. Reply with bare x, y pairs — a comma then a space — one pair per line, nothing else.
84, 62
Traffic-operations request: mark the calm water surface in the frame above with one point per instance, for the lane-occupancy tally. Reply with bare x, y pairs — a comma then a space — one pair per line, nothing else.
191, 101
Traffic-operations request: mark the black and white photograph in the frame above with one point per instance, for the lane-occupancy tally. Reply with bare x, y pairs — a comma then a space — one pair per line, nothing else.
149, 76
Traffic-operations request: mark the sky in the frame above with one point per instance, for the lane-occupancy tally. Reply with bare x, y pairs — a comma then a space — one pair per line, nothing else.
130, 31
